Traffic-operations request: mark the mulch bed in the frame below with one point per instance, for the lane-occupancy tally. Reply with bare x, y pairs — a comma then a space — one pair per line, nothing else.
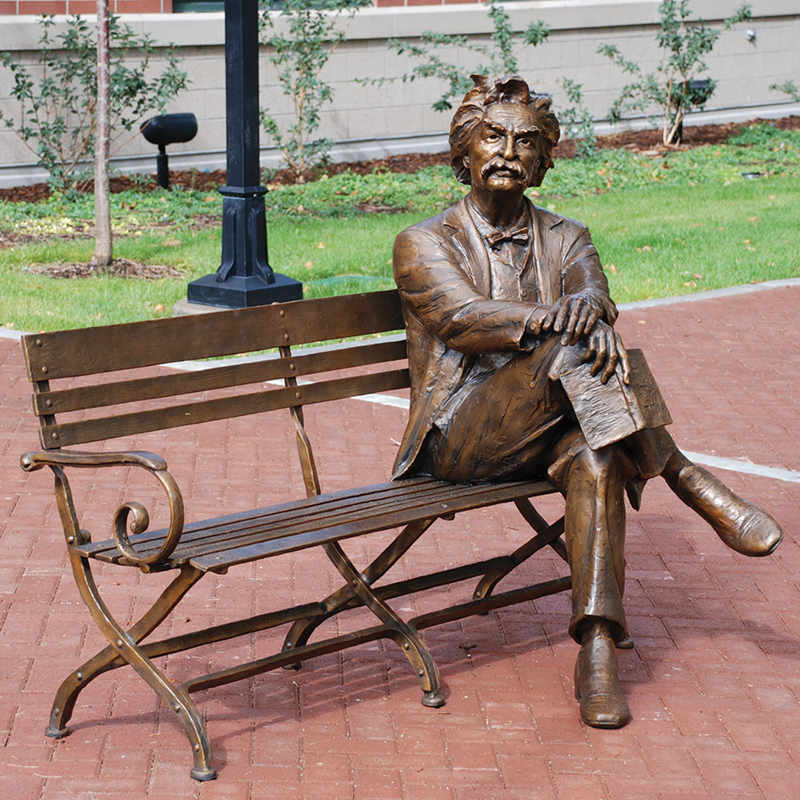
638, 141
118, 268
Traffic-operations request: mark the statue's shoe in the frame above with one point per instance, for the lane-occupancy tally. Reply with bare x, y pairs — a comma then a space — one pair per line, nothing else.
744, 527
596, 685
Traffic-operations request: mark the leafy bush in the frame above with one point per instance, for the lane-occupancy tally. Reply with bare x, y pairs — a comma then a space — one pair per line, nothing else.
788, 87
761, 134
299, 57
497, 57
576, 121
675, 86
58, 100
499, 54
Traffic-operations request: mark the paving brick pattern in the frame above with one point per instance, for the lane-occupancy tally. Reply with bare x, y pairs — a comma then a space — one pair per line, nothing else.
713, 682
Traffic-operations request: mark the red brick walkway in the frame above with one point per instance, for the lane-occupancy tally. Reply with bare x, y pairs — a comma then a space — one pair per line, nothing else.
713, 683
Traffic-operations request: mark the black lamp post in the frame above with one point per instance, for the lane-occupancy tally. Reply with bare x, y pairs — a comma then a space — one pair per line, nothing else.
244, 277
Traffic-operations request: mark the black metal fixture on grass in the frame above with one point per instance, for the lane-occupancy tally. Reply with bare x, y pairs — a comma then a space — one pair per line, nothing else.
168, 129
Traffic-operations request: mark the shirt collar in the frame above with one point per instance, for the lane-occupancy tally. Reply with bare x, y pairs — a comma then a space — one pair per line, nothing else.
494, 235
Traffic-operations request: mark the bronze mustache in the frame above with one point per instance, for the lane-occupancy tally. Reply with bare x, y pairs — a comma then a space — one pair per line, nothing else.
497, 165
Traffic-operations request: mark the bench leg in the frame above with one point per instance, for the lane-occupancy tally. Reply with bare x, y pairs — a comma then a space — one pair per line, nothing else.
546, 535
124, 645
107, 658
401, 632
301, 630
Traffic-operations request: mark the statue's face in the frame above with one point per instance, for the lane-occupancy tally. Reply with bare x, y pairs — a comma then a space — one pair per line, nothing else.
505, 150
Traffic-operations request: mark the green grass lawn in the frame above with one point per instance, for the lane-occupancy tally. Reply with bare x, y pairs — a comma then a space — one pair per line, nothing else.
663, 225
656, 243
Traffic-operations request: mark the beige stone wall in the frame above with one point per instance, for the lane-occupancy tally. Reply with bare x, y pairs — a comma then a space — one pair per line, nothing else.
396, 117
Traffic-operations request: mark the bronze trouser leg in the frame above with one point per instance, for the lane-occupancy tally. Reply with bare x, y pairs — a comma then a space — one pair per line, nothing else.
595, 535
517, 421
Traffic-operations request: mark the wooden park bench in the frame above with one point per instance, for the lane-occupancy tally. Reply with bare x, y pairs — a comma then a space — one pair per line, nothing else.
105, 403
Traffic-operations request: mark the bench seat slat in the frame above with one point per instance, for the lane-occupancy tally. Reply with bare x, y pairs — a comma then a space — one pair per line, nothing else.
175, 384
305, 508
286, 530
218, 534
92, 430
478, 496
269, 524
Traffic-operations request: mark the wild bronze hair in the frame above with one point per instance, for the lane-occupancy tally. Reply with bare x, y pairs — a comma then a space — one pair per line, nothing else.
500, 90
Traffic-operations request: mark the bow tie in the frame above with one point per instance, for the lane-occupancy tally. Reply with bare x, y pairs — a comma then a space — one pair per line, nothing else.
516, 236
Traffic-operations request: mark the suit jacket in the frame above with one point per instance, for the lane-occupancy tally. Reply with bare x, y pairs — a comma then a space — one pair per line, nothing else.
441, 268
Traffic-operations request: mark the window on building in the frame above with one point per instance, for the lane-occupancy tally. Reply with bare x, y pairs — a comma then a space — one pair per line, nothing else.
197, 5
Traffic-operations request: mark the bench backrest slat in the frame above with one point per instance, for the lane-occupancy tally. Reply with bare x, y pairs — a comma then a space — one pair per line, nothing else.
92, 430
218, 377
73, 353
121, 380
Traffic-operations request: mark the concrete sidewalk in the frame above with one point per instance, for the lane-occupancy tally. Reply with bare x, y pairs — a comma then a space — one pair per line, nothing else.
713, 682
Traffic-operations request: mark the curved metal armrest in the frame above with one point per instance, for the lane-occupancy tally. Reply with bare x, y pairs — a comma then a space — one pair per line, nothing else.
63, 458
140, 518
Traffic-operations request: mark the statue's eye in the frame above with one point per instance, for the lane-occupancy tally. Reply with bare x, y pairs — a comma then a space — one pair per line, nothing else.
525, 141
492, 136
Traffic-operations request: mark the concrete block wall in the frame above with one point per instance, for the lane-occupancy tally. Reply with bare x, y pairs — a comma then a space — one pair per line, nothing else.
368, 121
25, 7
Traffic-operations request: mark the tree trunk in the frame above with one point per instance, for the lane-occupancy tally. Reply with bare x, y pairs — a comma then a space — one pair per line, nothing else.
103, 252
673, 123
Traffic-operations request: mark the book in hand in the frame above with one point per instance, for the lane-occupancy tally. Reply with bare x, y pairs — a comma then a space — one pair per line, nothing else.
608, 412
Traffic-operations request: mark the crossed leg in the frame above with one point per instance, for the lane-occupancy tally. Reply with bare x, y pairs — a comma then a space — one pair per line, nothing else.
518, 422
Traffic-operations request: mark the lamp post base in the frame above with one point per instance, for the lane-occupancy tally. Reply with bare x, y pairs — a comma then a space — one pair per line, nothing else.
243, 291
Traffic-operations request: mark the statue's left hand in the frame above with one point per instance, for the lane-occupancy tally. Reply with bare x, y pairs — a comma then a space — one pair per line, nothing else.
604, 345
573, 316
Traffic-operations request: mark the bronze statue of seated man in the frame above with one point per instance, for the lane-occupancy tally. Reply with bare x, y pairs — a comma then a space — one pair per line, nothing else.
517, 371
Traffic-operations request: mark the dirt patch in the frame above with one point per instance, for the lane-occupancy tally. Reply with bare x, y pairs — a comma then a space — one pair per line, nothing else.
119, 268
637, 141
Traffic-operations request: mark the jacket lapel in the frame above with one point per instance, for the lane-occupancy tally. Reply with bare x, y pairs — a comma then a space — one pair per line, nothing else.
465, 237
547, 247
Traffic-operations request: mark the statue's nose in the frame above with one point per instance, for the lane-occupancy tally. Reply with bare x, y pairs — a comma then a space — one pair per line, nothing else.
509, 151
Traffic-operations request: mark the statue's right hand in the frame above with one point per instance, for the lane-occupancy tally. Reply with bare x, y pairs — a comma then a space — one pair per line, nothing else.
573, 316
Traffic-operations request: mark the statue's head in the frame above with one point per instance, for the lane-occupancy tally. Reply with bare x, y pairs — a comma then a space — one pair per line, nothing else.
501, 107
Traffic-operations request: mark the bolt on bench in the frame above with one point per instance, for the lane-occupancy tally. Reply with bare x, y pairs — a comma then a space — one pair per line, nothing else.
114, 406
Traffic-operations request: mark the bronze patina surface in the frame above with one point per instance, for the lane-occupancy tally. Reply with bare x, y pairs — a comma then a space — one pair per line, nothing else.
510, 348
120, 394
517, 372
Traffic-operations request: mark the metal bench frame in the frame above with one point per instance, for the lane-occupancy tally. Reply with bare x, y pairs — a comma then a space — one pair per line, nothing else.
214, 545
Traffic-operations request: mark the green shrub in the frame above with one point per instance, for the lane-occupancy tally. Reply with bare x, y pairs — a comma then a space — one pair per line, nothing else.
788, 87
676, 86
576, 121
497, 57
299, 57
57, 100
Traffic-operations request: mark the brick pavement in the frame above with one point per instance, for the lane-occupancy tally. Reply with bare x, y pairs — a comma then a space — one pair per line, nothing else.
713, 683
